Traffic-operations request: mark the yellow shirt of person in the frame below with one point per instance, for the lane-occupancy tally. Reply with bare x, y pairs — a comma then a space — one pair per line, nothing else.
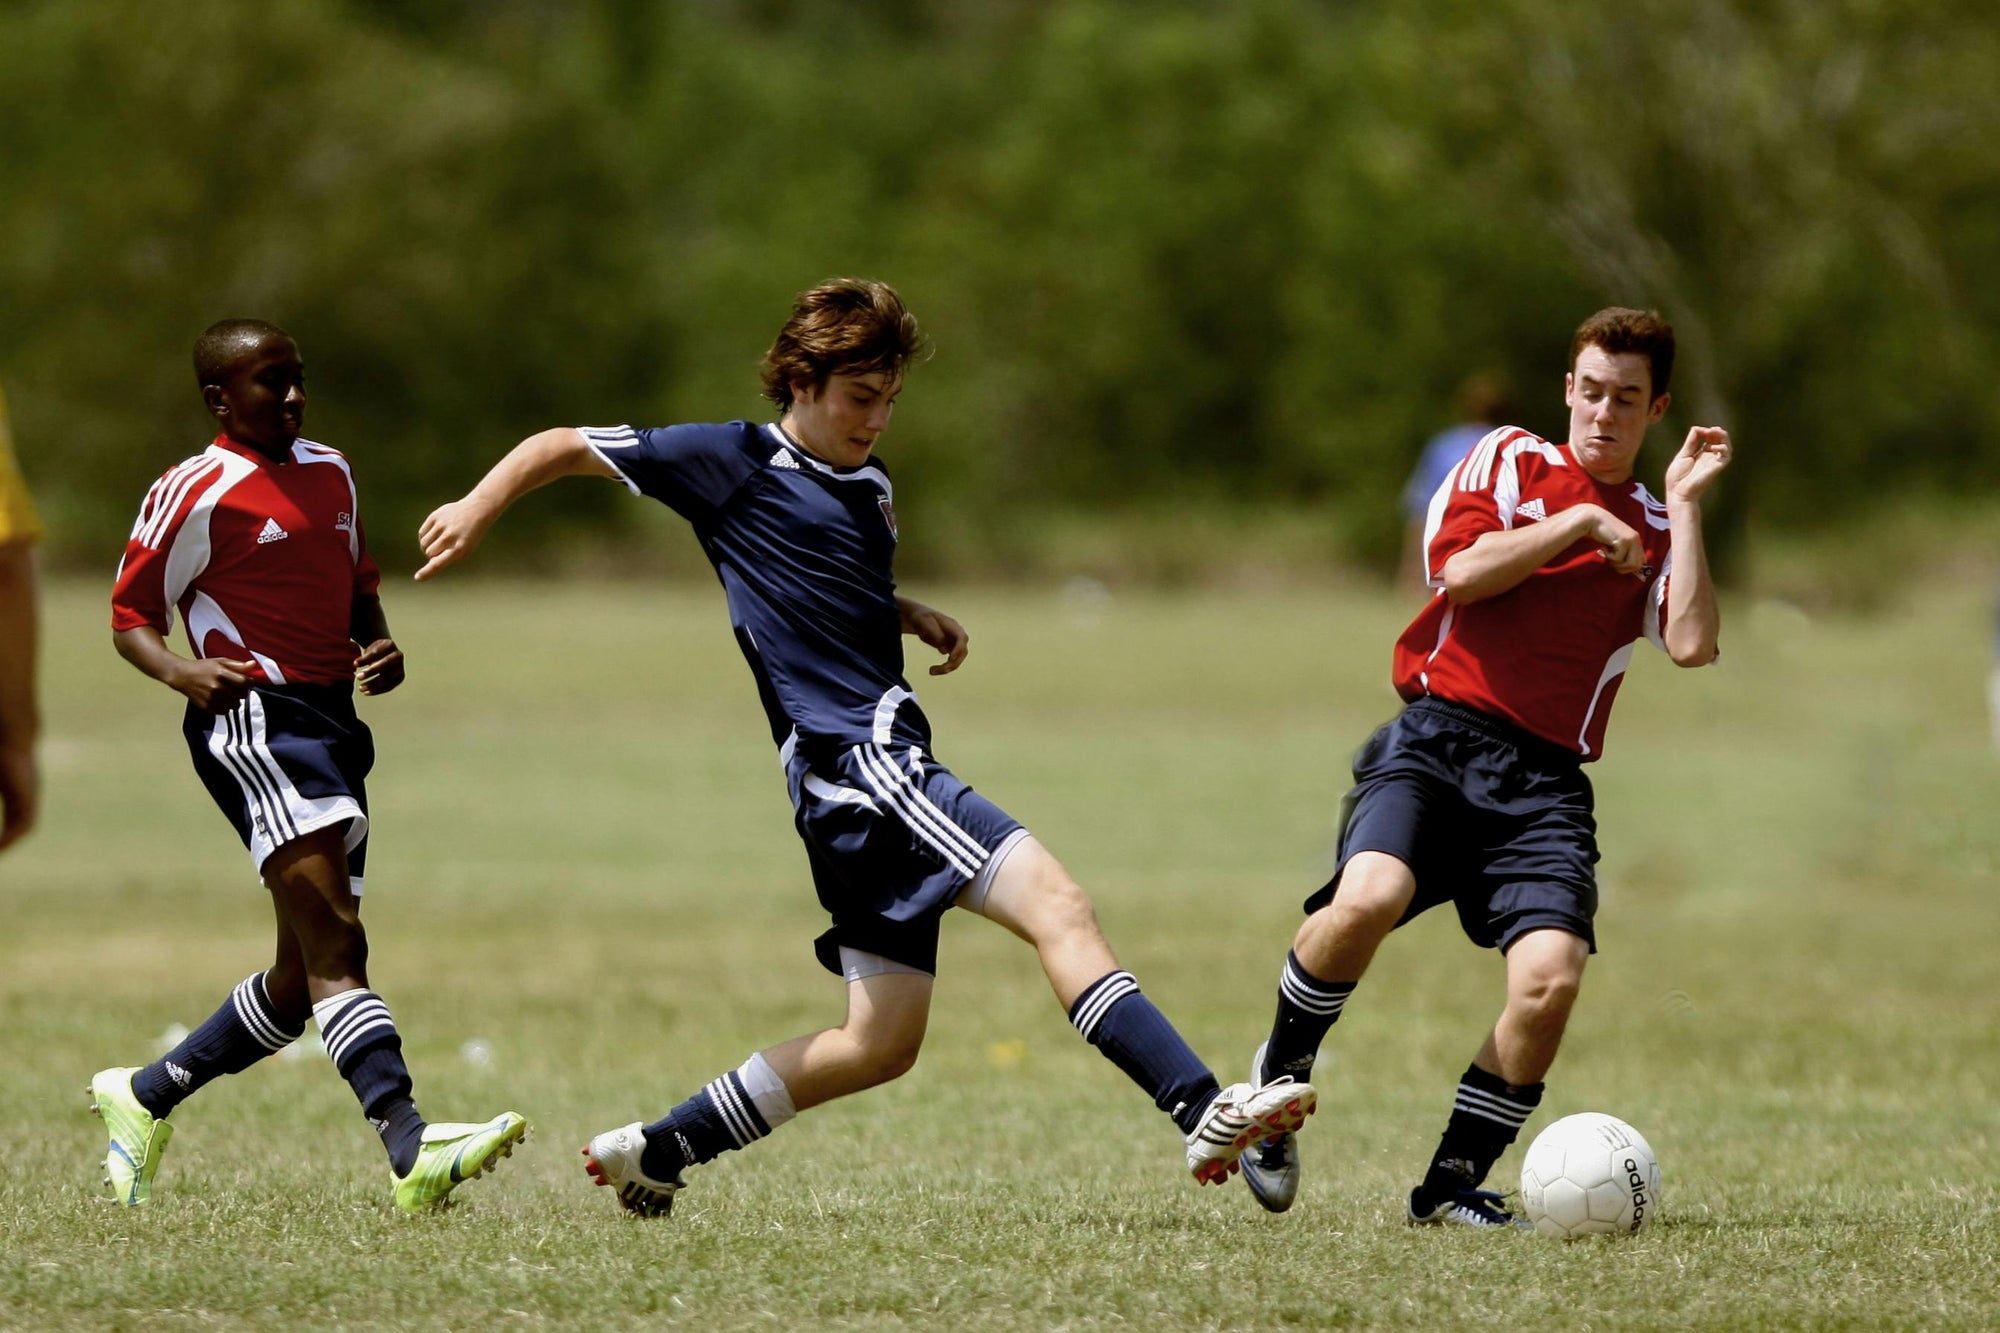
18, 522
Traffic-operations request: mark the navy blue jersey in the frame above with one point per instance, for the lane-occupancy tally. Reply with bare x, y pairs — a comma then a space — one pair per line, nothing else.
805, 552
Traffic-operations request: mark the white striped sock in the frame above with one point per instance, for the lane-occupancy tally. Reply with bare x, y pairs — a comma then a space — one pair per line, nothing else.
1095, 1003
345, 1019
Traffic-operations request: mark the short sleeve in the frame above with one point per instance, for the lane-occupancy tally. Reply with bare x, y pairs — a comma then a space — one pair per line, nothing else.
693, 470
157, 562
1480, 494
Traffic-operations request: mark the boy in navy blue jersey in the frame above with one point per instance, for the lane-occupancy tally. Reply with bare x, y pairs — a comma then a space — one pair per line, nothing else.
799, 521
256, 542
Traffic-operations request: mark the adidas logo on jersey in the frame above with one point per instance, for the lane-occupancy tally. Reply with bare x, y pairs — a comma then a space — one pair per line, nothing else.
784, 459
271, 533
1533, 511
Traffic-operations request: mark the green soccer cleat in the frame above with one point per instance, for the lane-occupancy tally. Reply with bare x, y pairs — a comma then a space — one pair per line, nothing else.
137, 1139
452, 1153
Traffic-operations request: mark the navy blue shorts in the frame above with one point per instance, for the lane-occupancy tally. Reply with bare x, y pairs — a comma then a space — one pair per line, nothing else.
1488, 817
287, 761
893, 838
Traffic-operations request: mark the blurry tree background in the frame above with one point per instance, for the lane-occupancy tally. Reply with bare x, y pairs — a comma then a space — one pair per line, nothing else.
1180, 261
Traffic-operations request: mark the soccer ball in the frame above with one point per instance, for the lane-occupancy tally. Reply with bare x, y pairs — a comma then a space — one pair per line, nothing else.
1590, 1175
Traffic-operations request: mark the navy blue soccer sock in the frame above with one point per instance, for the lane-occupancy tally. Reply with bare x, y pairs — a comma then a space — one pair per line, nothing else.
239, 1034
362, 1041
1307, 1009
1486, 1116
1133, 1034
720, 1117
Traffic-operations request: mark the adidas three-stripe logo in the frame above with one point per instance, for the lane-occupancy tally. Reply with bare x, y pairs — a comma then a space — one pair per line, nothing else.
271, 533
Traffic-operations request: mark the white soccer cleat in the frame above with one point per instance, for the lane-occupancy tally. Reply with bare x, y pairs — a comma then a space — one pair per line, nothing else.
1241, 1115
612, 1158
1271, 1167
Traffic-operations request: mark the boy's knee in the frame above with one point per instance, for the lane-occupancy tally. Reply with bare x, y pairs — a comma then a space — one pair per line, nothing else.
1374, 891
1037, 899
1545, 998
885, 1056
336, 947
1064, 909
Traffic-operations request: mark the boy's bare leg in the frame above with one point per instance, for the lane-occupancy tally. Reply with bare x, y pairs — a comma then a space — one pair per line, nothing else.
887, 1015
1033, 896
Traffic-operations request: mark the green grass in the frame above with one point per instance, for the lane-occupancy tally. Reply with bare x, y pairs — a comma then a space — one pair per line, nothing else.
582, 857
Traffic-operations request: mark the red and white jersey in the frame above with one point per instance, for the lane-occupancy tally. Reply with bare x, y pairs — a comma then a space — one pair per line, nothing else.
263, 560
1547, 654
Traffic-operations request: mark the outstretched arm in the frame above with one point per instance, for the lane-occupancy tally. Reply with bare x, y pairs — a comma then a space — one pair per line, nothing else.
1502, 559
938, 630
1693, 620
454, 531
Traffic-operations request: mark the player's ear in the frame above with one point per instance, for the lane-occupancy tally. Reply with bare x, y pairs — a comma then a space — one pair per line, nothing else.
211, 394
1658, 409
804, 389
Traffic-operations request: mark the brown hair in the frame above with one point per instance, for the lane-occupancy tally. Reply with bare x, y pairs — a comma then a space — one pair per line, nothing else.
848, 326
1618, 330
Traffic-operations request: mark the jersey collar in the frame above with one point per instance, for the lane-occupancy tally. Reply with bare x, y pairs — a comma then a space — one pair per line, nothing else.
224, 442
871, 468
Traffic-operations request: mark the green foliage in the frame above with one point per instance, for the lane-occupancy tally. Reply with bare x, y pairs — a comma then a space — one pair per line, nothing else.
582, 857
1171, 254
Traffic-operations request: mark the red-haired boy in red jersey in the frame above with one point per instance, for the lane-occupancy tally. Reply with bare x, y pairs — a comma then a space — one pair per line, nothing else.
1548, 563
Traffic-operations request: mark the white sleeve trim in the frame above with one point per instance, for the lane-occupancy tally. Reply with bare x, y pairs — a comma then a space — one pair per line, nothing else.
600, 439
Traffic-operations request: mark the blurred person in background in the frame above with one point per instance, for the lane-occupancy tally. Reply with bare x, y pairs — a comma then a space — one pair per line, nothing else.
1483, 403
1548, 562
20, 720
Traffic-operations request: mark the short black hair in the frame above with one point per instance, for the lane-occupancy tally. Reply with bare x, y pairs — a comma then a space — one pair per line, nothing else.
225, 340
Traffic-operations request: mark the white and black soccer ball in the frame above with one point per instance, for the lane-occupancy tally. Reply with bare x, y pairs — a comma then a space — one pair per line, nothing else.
1590, 1175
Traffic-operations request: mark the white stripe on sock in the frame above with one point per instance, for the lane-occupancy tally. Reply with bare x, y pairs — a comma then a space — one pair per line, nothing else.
1308, 994
347, 1017
248, 999
1489, 1106
740, 1126
1107, 992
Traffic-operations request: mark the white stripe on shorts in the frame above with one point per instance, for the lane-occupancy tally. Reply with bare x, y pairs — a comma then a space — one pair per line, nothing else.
894, 788
239, 742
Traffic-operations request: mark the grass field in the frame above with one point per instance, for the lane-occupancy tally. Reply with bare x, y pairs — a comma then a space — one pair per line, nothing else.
582, 859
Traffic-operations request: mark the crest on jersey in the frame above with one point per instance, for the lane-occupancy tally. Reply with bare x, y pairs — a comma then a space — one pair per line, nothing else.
889, 516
